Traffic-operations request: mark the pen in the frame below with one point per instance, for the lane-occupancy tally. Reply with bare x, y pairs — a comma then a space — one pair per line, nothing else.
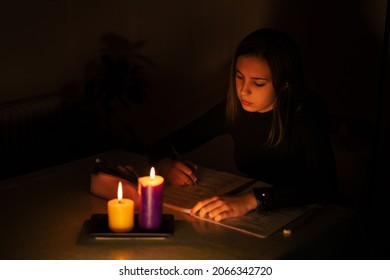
181, 159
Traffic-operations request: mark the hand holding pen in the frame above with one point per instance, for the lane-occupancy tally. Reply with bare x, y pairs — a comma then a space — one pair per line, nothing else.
188, 169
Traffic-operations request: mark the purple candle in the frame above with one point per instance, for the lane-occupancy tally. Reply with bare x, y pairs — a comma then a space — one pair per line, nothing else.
150, 190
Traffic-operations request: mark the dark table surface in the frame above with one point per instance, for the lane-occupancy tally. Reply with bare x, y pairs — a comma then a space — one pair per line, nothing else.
43, 216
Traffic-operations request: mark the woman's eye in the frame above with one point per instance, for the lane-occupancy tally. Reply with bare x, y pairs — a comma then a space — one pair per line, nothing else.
239, 77
259, 85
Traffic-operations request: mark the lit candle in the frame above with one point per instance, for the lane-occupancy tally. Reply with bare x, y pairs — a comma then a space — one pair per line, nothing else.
120, 212
150, 192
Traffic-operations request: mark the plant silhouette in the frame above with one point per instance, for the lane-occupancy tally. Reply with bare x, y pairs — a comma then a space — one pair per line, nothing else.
116, 80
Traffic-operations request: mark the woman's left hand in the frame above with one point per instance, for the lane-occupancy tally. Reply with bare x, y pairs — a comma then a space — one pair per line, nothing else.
221, 207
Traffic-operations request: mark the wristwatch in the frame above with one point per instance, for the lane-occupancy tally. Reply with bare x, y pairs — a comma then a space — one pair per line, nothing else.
263, 198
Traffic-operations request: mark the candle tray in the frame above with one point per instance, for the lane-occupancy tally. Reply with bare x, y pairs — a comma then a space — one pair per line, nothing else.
97, 227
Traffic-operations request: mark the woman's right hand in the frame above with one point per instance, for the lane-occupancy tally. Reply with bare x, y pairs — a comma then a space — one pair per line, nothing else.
176, 172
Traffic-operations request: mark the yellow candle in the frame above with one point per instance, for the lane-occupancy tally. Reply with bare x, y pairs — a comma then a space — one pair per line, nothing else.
120, 213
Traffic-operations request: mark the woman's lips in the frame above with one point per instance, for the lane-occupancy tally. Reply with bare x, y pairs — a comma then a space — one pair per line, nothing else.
245, 103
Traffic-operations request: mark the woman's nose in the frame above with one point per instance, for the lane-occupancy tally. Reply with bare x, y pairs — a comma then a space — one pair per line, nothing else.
245, 89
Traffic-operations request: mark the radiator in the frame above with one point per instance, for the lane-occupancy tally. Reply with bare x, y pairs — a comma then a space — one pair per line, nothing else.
28, 131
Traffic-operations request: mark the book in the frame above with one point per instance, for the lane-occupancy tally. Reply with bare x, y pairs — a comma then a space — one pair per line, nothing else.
264, 224
217, 183
210, 183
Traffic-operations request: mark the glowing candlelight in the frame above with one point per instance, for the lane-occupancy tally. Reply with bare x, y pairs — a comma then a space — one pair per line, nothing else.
120, 212
120, 191
150, 189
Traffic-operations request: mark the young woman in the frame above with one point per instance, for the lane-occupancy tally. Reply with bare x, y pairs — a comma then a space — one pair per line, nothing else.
279, 132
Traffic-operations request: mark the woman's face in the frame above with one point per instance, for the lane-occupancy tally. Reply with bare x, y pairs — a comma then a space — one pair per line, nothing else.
254, 84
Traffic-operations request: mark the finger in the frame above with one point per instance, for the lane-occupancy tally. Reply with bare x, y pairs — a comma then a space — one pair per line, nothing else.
193, 168
220, 217
190, 177
219, 207
185, 179
199, 205
211, 209
183, 167
191, 180
178, 178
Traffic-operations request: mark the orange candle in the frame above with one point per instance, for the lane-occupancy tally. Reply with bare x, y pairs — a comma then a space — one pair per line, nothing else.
120, 212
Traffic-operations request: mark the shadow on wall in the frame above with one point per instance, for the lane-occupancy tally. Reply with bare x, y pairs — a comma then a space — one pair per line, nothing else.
50, 129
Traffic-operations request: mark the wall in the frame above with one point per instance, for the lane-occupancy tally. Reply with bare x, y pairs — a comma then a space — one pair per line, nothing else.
54, 46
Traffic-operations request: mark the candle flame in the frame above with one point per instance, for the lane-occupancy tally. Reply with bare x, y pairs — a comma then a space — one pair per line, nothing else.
120, 191
152, 173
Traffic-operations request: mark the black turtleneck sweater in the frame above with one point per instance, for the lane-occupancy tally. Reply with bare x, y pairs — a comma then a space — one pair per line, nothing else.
301, 168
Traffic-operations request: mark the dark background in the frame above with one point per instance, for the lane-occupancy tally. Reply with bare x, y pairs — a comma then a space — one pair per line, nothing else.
60, 101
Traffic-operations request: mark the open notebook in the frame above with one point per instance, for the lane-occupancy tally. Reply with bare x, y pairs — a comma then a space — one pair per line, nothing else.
214, 182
